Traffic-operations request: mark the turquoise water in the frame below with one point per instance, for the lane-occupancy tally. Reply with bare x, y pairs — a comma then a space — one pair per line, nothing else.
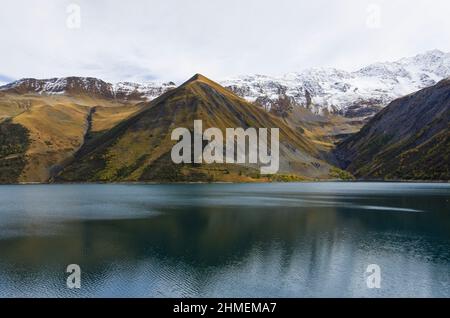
226, 240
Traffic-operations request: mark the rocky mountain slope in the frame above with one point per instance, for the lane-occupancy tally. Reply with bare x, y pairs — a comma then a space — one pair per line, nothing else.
409, 139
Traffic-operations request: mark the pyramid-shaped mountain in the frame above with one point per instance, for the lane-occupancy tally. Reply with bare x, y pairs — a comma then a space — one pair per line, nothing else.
139, 148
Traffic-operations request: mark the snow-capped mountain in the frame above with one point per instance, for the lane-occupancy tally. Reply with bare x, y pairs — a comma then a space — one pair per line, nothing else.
354, 94
58, 86
360, 93
89, 86
147, 91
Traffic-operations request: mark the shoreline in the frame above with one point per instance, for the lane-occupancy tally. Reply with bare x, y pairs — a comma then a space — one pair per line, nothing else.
225, 182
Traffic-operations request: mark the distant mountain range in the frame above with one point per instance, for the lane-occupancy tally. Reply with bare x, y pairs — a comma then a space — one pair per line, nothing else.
89, 86
85, 129
352, 94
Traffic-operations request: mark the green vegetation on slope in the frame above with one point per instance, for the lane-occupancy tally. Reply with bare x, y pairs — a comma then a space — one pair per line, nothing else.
14, 142
408, 140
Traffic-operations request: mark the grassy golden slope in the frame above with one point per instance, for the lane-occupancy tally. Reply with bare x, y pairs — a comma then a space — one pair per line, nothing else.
56, 132
56, 127
138, 149
105, 118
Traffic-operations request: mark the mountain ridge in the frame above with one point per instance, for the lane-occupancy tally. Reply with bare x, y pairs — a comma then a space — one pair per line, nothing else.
91, 86
407, 140
80, 138
361, 93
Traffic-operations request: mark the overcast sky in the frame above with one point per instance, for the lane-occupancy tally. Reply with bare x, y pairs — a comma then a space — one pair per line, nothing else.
140, 40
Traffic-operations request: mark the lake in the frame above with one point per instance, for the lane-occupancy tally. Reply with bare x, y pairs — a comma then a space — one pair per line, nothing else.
226, 240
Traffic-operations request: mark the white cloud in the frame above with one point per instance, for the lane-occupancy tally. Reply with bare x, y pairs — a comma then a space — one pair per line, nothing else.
173, 39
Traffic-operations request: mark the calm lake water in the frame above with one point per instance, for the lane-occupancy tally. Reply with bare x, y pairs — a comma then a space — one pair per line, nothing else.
226, 240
